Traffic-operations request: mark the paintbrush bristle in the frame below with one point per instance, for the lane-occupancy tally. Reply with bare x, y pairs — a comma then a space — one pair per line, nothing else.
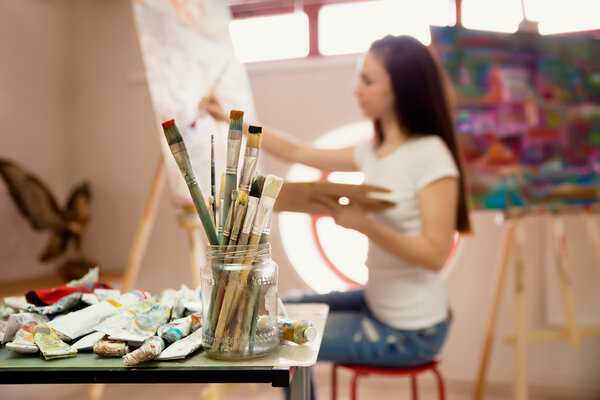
236, 120
253, 140
171, 132
257, 186
242, 198
272, 186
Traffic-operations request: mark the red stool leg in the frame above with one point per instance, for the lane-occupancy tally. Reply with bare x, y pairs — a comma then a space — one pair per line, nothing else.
440, 381
354, 385
334, 382
414, 387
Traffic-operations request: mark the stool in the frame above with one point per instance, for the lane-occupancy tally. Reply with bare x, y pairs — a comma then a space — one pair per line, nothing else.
359, 370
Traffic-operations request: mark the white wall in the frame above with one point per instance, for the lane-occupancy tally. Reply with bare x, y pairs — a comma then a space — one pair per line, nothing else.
113, 142
32, 113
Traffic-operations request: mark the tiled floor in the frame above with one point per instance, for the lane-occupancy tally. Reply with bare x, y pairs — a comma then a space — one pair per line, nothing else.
369, 388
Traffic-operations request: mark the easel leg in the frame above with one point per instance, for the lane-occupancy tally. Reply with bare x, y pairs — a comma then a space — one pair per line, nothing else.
521, 316
564, 272
493, 316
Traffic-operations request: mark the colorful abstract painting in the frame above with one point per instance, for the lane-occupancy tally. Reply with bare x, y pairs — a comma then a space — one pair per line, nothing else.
528, 116
186, 48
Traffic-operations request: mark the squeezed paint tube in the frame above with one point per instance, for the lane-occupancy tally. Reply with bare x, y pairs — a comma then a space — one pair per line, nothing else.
88, 341
23, 341
64, 304
6, 311
105, 294
2, 328
297, 331
176, 332
89, 298
182, 348
151, 348
110, 348
17, 302
82, 322
50, 345
135, 323
15, 322
92, 276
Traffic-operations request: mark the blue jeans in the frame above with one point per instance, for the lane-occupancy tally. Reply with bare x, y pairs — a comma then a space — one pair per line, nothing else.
354, 336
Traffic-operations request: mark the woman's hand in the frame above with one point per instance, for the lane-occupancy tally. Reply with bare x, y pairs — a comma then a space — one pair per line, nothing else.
350, 216
211, 105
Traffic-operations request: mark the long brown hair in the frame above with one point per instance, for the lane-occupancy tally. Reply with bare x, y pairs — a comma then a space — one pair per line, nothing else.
422, 104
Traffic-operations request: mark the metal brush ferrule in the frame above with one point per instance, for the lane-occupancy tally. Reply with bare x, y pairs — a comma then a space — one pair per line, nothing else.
250, 161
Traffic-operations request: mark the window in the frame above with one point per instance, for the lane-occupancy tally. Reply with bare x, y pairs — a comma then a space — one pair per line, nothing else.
492, 15
352, 27
271, 37
569, 16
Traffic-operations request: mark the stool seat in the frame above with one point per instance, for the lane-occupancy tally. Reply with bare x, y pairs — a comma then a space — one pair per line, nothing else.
363, 370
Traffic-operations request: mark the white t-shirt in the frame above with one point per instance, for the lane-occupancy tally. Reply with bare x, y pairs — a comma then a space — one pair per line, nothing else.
399, 294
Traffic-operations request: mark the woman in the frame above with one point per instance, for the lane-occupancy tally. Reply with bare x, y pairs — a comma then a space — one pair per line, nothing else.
401, 317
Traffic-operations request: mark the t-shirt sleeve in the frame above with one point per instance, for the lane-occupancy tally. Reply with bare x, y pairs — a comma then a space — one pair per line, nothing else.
361, 152
436, 162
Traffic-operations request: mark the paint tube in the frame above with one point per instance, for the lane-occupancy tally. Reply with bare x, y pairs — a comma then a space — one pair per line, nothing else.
92, 276
15, 322
105, 294
177, 332
89, 298
182, 348
50, 345
64, 304
23, 341
2, 328
135, 323
6, 311
87, 342
82, 322
151, 348
110, 348
17, 302
196, 319
297, 331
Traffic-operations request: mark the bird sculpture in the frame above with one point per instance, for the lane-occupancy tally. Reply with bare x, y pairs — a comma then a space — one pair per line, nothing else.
38, 205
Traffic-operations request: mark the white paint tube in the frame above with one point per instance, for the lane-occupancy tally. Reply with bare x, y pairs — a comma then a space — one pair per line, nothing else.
149, 350
82, 322
23, 341
87, 342
182, 348
17, 302
15, 322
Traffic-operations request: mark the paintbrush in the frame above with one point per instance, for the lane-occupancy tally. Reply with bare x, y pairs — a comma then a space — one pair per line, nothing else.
211, 91
250, 158
179, 151
212, 177
229, 221
253, 199
221, 194
234, 143
270, 191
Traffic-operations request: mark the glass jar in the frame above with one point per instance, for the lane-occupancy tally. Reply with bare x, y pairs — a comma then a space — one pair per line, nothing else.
239, 288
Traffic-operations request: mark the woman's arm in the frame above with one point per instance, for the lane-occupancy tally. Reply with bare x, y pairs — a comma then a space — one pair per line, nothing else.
438, 220
282, 146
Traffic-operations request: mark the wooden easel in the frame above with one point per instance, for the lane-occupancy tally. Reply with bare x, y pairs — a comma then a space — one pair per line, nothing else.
514, 235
